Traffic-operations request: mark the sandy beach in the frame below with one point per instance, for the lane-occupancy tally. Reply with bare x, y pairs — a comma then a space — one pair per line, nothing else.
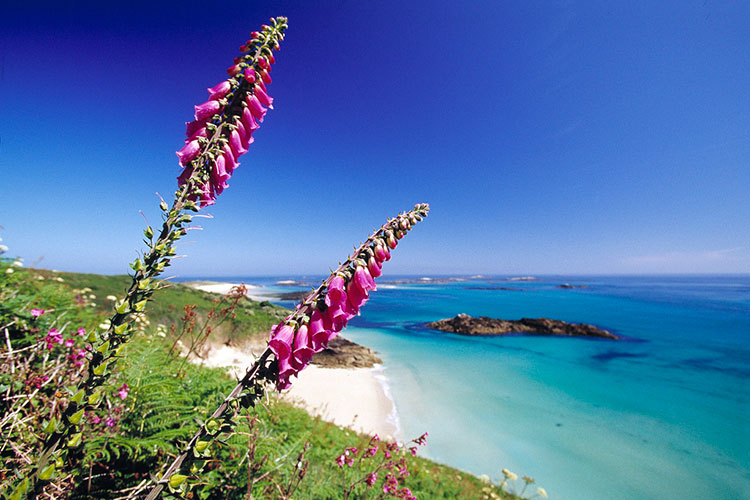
253, 292
351, 397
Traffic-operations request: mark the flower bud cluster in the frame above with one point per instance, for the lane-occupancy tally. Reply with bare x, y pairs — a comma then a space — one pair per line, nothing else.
394, 469
224, 124
326, 311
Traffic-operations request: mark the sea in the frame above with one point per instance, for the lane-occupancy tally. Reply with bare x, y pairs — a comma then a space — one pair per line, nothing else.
663, 413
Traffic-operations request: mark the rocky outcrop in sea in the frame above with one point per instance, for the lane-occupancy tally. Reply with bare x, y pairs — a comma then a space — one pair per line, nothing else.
463, 324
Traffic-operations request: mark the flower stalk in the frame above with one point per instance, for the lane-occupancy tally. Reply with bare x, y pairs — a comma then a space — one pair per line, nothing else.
220, 134
315, 321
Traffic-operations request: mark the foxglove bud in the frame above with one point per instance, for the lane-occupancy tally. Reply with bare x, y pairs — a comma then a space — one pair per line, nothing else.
250, 75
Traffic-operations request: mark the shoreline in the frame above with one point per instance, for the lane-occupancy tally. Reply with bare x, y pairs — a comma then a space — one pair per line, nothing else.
357, 398
222, 288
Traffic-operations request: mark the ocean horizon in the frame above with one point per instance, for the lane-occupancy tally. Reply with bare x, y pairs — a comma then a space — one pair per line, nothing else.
661, 413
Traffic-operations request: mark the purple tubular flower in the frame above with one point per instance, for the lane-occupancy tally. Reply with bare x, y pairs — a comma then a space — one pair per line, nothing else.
207, 196
230, 163
201, 132
281, 341
245, 137
192, 127
248, 121
188, 152
250, 75
363, 279
219, 175
255, 107
220, 90
236, 144
302, 353
334, 320
184, 176
207, 109
336, 294
264, 98
317, 332
374, 267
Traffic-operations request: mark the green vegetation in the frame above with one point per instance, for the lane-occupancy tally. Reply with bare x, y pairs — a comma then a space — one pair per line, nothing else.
157, 400
251, 322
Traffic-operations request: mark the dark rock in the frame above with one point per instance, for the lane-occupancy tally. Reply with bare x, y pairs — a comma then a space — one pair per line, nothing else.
296, 296
568, 285
463, 324
342, 353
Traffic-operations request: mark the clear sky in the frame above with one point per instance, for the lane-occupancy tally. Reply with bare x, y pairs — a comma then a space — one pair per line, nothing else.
548, 137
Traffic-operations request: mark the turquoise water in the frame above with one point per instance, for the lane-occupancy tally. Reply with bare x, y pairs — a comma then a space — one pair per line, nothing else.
662, 414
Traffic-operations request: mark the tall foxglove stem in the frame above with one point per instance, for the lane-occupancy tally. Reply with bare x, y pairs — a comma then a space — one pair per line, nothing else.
316, 320
220, 134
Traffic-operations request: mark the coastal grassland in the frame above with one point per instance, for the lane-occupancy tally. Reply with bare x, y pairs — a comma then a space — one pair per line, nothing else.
251, 321
128, 439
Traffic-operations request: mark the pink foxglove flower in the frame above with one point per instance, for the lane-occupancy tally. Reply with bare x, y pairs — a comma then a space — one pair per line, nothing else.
264, 98
256, 108
217, 130
207, 109
123, 391
188, 152
325, 312
219, 90
192, 127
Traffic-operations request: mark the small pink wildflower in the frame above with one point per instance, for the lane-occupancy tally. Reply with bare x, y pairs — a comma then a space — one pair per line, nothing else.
95, 419
413, 450
70, 343
371, 478
406, 494
110, 422
123, 392
81, 331
371, 452
53, 337
35, 313
390, 485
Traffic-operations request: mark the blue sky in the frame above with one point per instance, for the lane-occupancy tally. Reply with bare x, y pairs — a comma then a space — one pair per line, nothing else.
548, 137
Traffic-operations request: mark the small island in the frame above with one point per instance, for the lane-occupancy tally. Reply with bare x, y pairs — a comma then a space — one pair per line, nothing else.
463, 324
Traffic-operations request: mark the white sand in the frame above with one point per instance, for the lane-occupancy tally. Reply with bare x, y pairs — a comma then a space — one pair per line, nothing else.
350, 397
225, 288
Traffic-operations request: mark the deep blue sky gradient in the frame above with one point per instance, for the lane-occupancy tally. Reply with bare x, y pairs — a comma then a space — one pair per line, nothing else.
548, 137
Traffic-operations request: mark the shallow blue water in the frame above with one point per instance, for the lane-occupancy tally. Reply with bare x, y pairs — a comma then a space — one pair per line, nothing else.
662, 414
